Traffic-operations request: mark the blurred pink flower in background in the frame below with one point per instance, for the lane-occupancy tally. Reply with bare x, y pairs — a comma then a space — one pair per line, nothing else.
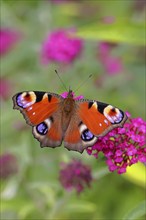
113, 65
8, 165
75, 175
123, 146
109, 19
61, 47
5, 88
8, 38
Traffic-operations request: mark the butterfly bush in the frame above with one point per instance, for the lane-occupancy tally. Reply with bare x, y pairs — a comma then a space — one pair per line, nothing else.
8, 165
123, 147
61, 47
75, 175
8, 38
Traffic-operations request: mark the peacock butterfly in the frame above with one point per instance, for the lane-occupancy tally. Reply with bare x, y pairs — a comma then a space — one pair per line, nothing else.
78, 123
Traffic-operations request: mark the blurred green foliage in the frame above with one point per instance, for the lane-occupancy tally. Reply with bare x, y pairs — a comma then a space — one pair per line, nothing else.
35, 192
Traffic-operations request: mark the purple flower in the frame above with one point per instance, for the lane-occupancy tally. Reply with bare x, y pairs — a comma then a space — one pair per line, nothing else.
64, 95
5, 88
8, 38
123, 146
75, 175
61, 47
8, 165
113, 65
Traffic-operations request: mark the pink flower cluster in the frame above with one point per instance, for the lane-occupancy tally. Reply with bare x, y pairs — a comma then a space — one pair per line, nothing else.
75, 175
8, 38
60, 46
113, 65
123, 146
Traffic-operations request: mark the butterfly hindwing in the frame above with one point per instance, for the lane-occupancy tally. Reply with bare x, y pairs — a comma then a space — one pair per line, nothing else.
74, 135
49, 132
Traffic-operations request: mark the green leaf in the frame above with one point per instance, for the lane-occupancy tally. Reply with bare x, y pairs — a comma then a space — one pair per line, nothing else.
119, 32
136, 213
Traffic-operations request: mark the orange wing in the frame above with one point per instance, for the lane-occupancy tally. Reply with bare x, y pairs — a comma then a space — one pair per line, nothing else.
36, 106
100, 118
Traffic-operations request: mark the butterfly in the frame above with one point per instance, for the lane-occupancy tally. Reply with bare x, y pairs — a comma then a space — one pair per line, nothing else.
55, 119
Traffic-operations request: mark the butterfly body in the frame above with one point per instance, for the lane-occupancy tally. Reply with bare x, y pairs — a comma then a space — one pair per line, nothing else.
78, 123
67, 106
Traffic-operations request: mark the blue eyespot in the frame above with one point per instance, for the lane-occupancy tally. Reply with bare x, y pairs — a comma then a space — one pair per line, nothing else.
87, 135
19, 100
42, 128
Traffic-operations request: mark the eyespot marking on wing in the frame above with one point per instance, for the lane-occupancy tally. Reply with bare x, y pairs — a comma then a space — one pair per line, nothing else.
114, 115
86, 135
25, 99
42, 128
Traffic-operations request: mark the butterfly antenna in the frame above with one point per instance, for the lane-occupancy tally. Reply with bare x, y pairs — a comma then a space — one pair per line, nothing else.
82, 83
61, 80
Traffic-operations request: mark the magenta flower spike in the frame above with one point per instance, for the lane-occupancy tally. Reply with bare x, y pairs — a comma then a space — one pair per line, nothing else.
8, 38
61, 47
75, 175
123, 147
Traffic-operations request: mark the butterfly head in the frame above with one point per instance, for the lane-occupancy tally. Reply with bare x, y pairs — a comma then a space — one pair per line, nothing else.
70, 94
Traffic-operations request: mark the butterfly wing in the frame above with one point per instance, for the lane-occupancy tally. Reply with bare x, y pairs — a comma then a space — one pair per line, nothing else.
100, 118
41, 110
91, 120
73, 135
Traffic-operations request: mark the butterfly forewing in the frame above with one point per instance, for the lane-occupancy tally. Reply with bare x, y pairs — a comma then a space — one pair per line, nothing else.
100, 117
36, 106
